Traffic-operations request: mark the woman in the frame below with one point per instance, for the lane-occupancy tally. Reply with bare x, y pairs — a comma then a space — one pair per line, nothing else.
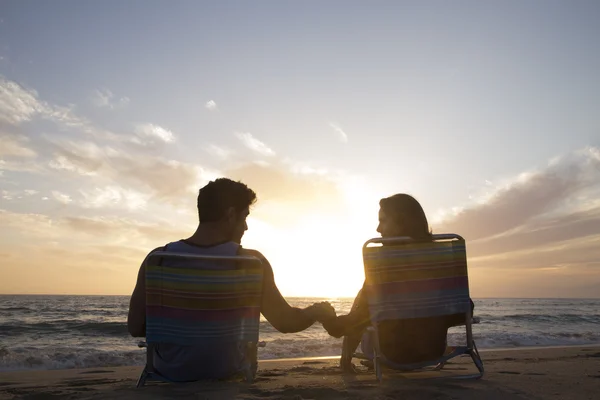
402, 341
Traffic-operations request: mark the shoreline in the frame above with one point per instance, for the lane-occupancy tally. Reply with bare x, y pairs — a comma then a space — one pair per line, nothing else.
562, 372
484, 350
311, 358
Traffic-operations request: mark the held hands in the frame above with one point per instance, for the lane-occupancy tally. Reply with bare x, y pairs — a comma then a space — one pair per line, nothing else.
321, 312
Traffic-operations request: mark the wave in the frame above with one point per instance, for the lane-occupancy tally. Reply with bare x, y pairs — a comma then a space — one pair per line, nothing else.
564, 318
15, 309
506, 340
119, 328
67, 326
66, 358
288, 346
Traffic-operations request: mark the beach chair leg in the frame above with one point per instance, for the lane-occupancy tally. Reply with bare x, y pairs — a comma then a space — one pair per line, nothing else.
378, 372
252, 360
149, 367
142, 379
376, 353
477, 360
449, 350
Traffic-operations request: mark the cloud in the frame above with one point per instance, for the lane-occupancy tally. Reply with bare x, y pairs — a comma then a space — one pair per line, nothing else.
104, 98
276, 182
15, 146
305, 168
113, 230
64, 163
17, 194
531, 194
20, 166
113, 196
285, 197
31, 223
219, 152
254, 144
153, 132
19, 105
211, 105
339, 132
544, 220
166, 180
83, 255
61, 197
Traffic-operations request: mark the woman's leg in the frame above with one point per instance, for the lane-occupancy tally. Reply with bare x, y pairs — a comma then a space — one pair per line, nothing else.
349, 345
353, 335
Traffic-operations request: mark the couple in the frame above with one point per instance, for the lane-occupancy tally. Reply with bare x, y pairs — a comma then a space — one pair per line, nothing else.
223, 206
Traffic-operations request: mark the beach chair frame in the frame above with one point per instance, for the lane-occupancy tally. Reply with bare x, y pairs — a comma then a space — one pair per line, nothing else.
470, 349
251, 360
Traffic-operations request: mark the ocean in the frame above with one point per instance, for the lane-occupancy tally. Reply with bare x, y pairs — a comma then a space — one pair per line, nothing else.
52, 332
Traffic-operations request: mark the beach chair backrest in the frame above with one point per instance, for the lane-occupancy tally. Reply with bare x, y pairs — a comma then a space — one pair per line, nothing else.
405, 279
192, 298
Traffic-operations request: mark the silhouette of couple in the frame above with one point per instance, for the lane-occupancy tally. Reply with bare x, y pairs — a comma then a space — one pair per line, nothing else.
223, 206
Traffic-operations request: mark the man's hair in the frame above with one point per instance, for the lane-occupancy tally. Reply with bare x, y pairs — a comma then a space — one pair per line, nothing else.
406, 210
219, 195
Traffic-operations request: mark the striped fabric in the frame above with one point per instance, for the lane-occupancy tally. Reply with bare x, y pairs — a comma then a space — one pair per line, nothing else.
416, 280
186, 304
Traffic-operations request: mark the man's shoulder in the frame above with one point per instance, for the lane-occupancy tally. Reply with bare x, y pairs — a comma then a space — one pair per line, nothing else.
162, 248
257, 254
251, 253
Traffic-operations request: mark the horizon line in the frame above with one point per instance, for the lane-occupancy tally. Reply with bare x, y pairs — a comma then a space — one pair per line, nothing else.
303, 297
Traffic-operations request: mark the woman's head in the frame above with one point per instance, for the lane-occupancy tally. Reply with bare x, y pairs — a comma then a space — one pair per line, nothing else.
402, 215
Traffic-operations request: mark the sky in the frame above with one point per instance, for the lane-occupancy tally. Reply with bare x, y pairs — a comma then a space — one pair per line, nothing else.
114, 114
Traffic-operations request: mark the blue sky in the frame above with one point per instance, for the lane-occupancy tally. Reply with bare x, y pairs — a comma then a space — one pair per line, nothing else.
117, 113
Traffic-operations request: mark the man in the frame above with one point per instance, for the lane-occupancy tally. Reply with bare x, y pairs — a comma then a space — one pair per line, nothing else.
403, 341
223, 206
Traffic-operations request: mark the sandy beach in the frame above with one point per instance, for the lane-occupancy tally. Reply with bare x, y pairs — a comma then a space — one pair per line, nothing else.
533, 373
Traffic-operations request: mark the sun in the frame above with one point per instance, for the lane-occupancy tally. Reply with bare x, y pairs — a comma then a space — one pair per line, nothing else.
320, 255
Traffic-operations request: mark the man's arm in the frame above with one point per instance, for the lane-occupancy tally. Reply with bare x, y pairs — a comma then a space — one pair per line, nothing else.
277, 311
136, 318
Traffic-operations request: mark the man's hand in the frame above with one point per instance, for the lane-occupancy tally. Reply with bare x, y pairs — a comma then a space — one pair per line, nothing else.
321, 312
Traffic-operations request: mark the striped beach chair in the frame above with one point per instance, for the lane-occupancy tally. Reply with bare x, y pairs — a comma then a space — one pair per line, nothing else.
198, 299
406, 280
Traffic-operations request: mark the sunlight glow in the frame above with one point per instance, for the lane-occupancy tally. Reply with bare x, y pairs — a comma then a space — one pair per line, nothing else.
321, 254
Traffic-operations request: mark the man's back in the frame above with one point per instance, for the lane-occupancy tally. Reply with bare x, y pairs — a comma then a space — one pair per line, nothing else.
211, 358
223, 207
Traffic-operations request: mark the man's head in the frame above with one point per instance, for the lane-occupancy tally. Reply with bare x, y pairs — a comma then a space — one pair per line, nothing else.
226, 204
402, 215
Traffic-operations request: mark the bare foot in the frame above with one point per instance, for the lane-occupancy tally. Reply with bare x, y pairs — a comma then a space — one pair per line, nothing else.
347, 367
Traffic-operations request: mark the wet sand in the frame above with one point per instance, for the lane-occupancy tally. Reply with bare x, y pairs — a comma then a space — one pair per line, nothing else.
533, 373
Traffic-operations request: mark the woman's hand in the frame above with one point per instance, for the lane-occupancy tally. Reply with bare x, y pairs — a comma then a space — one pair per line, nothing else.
321, 312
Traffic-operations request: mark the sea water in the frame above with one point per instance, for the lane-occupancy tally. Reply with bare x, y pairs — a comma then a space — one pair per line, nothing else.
49, 332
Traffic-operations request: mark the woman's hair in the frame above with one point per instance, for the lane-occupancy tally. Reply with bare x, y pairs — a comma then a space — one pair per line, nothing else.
406, 211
